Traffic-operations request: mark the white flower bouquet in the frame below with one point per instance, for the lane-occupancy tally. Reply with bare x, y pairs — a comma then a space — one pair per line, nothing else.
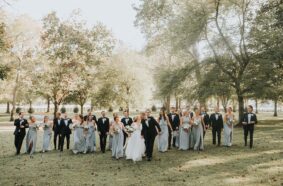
197, 123
230, 121
129, 129
116, 130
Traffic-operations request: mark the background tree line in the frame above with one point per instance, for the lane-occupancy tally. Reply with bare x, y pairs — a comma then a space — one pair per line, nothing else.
223, 49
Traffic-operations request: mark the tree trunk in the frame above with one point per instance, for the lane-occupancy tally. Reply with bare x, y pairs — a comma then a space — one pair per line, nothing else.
240, 108
82, 109
8, 107
14, 98
256, 106
56, 106
275, 108
168, 104
48, 104
180, 101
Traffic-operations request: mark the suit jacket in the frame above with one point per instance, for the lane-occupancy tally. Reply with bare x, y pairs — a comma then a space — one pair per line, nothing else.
93, 116
103, 128
216, 123
246, 118
18, 123
150, 129
56, 125
206, 118
174, 123
65, 129
130, 121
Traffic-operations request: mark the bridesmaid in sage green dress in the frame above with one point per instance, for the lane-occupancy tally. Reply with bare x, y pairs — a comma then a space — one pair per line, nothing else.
117, 129
47, 133
185, 131
79, 135
197, 122
31, 138
164, 123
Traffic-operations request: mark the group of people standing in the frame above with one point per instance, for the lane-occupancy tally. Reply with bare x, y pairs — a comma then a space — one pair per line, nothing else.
133, 137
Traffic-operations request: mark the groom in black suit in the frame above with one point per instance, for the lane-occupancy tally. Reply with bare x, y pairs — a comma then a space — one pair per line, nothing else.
174, 120
103, 126
216, 121
150, 129
56, 129
20, 131
248, 121
65, 131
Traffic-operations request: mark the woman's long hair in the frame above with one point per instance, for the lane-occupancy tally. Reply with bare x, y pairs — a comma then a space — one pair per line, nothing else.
82, 118
163, 114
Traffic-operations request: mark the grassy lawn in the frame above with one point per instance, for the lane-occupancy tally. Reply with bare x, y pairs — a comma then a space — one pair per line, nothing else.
262, 165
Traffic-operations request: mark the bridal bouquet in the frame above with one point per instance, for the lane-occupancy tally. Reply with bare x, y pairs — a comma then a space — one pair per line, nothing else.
129, 129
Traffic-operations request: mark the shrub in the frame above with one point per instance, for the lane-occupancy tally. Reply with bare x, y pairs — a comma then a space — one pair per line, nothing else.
18, 110
63, 110
76, 110
153, 108
110, 109
30, 110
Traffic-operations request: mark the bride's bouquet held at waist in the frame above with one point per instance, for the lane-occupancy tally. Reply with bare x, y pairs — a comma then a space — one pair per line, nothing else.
129, 129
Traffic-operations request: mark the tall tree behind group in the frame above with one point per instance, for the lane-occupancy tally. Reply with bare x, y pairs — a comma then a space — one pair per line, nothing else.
71, 53
222, 26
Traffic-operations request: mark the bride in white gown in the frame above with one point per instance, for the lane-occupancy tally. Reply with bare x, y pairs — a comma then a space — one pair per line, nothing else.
136, 147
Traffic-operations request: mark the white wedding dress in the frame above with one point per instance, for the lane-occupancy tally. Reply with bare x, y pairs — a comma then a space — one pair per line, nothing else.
136, 146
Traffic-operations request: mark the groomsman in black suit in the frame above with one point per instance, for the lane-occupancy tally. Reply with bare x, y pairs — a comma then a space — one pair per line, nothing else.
206, 119
65, 131
103, 130
20, 131
126, 120
174, 120
216, 121
150, 129
248, 121
56, 129
90, 114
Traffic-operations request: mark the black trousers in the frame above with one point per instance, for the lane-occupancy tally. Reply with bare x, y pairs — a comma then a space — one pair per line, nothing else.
125, 138
248, 129
103, 140
62, 139
204, 131
218, 132
149, 143
56, 136
169, 137
19, 141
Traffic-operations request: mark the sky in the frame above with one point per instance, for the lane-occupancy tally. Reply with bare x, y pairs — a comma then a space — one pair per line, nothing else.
117, 15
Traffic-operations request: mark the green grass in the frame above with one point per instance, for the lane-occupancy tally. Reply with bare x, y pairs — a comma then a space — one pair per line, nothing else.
262, 165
